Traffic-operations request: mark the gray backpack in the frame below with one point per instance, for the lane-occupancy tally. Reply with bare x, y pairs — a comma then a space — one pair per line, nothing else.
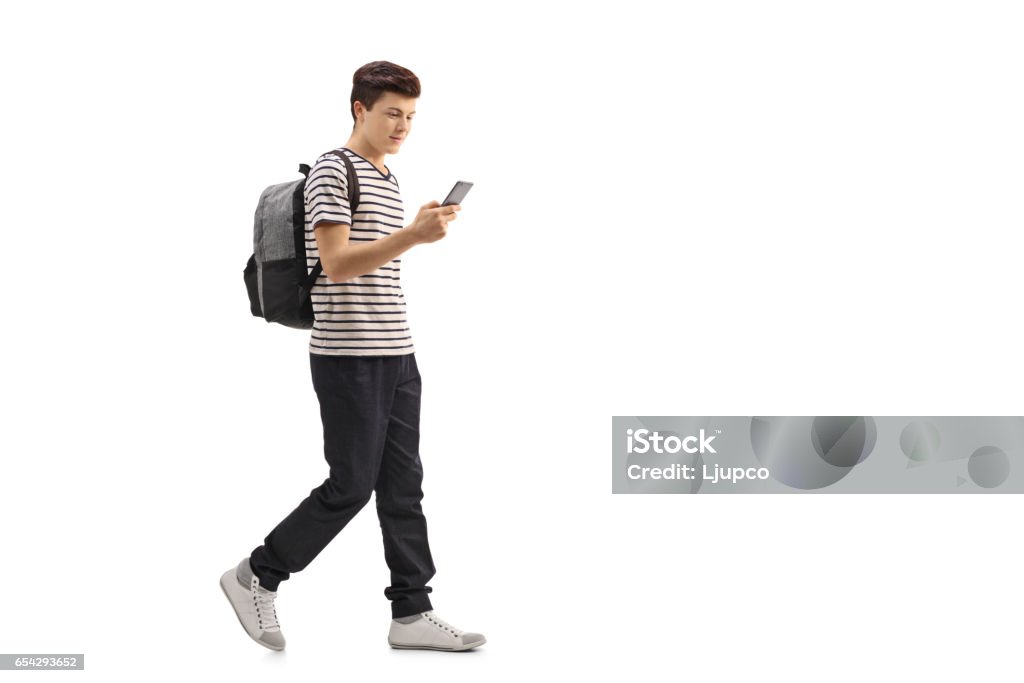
276, 276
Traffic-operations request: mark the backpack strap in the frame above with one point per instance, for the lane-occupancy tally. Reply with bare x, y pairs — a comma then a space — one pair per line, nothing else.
353, 202
353, 181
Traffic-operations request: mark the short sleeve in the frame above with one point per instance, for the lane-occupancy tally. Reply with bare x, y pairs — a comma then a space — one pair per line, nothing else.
326, 192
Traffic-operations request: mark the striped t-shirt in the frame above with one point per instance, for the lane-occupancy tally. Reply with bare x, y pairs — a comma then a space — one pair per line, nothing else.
363, 316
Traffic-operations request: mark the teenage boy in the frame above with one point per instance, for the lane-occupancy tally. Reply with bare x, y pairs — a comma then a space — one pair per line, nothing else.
364, 373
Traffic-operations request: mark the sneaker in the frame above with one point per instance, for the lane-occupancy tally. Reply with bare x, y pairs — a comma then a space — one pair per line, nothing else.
254, 605
426, 631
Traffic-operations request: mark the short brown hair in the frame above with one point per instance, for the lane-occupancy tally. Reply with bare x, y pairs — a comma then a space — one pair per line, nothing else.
372, 80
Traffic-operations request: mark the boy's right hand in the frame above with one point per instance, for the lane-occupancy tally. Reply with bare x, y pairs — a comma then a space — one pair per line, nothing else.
431, 223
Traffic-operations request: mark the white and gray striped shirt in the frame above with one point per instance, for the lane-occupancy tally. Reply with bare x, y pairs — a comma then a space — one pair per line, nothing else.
363, 316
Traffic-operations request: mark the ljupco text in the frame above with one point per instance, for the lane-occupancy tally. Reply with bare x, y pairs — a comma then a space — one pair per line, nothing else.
689, 472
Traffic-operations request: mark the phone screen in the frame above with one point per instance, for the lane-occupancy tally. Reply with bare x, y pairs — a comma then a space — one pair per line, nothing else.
458, 193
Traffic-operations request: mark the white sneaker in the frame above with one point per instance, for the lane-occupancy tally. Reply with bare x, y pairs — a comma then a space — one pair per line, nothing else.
254, 605
426, 631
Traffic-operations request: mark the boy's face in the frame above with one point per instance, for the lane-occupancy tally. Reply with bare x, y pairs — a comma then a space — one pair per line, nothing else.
387, 125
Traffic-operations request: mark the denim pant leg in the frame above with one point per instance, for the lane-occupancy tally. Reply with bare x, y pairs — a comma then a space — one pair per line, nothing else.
398, 493
355, 394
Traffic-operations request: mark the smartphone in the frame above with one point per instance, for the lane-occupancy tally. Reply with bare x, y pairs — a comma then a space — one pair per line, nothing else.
458, 193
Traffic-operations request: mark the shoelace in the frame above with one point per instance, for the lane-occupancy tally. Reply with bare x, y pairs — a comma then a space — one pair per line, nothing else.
437, 621
265, 611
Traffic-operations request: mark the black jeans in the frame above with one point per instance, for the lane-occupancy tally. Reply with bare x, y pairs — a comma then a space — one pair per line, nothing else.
370, 408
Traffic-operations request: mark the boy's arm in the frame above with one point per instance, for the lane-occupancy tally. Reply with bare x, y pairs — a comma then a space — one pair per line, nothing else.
343, 261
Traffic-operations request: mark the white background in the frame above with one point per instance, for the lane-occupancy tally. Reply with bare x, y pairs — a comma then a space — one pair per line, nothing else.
728, 208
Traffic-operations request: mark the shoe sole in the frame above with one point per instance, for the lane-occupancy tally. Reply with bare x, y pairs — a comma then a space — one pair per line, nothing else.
230, 576
440, 649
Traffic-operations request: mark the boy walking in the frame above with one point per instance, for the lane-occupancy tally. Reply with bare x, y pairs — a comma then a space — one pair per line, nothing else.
365, 376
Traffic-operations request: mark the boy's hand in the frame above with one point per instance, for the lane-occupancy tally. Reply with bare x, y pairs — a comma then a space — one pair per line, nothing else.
431, 223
